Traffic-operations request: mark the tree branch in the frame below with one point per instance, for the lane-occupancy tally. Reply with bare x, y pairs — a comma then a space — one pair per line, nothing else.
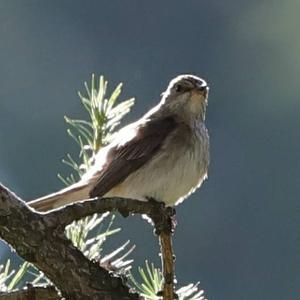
162, 218
50, 251
39, 238
76, 211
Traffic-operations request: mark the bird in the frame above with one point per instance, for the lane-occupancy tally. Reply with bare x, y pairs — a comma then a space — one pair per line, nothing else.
162, 156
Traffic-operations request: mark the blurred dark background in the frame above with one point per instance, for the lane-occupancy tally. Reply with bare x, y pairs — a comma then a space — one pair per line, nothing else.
239, 234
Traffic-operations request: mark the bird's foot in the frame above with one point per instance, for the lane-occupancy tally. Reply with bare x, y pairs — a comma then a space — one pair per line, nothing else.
164, 218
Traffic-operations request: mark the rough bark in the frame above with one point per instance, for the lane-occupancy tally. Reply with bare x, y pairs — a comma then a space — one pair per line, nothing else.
39, 238
38, 241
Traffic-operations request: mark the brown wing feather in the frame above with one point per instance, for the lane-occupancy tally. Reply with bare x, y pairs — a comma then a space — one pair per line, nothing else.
131, 156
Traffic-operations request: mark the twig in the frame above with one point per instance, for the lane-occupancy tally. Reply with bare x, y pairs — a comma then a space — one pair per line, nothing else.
76, 211
165, 225
165, 239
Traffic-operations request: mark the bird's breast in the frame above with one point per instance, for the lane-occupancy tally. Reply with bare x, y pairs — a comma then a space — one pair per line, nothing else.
177, 169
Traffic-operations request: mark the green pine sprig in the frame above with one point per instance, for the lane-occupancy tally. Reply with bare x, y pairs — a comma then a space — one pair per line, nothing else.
104, 116
152, 282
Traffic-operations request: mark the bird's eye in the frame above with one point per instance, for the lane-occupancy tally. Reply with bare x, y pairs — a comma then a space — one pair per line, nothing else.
178, 88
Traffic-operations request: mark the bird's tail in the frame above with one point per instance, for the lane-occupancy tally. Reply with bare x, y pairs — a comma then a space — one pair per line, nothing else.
76, 192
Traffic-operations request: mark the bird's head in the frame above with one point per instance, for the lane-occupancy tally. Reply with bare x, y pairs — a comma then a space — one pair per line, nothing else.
186, 96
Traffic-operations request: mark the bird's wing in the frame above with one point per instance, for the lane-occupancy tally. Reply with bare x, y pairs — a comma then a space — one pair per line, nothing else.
127, 158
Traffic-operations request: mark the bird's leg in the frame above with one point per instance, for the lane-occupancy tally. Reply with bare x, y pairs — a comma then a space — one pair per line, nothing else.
164, 221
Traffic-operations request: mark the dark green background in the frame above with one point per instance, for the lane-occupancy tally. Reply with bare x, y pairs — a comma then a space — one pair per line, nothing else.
239, 234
